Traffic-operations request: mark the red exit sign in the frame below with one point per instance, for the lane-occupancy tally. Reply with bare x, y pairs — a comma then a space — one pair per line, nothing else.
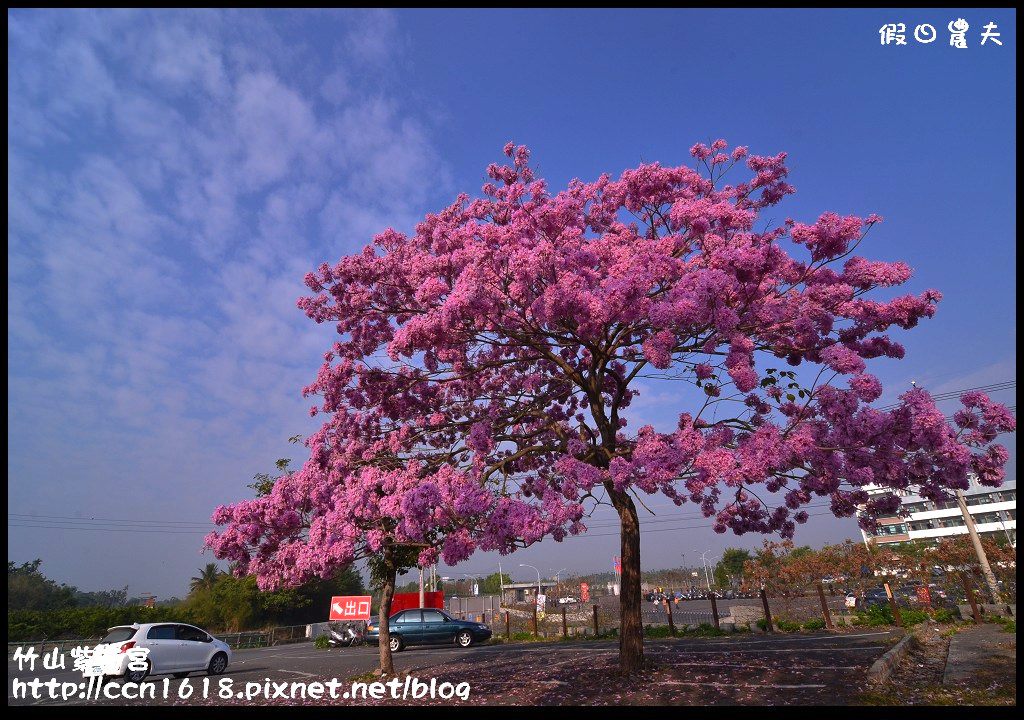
350, 607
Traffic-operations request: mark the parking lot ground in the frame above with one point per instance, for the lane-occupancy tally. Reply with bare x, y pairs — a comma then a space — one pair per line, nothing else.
818, 669
748, 669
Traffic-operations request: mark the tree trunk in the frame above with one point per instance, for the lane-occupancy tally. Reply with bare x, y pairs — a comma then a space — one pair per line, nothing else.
387, 665
631, 627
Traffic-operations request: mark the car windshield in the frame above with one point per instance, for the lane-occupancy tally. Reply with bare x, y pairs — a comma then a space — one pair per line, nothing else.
118, 634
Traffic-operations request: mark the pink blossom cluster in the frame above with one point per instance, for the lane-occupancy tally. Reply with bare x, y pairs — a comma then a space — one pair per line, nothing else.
316, 521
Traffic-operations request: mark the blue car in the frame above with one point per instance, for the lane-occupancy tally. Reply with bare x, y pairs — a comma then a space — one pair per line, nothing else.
427, 626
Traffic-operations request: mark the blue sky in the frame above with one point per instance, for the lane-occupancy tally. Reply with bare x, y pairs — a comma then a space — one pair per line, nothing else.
172, 176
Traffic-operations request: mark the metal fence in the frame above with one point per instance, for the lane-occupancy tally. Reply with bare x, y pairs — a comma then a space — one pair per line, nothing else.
266, 638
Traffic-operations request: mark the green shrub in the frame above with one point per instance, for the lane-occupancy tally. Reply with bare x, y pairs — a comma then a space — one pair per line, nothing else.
763, 624
786, 626
321, 642
817, 624
911, 617
526, 637
708, 630
657, 632
944, 615
874, 616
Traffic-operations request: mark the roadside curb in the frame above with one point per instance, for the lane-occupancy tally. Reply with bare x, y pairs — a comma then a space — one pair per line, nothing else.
883, 666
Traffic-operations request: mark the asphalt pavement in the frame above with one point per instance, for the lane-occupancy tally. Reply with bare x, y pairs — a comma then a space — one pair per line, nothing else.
806, 668
805, 663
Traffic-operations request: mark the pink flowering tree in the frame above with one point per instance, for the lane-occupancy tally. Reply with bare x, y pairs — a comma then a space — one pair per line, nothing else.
507, 337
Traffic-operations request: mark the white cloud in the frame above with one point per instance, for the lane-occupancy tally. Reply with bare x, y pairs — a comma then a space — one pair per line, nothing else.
373, 38
172, 175
274, 125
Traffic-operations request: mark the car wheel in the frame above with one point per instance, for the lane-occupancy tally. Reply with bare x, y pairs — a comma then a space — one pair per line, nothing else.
181, 675
218, 664
464, 638
137, 676
396, 644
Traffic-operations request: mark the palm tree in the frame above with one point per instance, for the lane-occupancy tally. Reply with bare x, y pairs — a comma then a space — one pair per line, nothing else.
208, 577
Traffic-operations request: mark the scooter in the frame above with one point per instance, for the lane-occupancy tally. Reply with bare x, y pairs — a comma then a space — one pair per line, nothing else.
348, 636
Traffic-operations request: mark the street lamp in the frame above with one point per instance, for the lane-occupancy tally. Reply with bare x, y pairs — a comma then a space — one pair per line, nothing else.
559, 573
707, 578
709, 563
538, 576
475, 577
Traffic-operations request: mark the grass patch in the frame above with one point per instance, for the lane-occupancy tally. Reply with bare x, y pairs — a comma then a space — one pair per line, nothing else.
951, 631
939, 695
706, 630
321, 643
1009, 624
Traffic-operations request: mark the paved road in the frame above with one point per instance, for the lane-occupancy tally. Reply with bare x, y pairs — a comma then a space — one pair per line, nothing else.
818, 666
299, 662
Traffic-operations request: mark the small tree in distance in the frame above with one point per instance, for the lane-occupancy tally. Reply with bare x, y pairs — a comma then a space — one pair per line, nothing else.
506, 338
729, 570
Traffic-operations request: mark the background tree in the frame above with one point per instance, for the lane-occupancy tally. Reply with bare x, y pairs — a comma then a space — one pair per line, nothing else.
729, 570
207, 578
492, 584
102, 598
29, 589
516, 327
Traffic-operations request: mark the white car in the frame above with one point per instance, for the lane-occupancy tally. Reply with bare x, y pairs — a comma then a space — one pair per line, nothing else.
566, 601
174, 648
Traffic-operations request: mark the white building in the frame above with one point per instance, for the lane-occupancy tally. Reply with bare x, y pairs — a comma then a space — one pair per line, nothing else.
994, 510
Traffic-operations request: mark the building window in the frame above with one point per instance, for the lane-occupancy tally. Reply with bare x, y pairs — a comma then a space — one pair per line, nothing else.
898, 529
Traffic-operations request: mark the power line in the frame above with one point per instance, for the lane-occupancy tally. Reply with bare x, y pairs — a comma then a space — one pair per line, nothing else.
685, 516
947, 395
686, 527
168, 531
955, 394
22, 517
97, 529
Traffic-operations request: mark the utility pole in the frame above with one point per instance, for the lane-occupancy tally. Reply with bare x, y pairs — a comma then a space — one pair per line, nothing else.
501, 580
421, 586
986, 571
